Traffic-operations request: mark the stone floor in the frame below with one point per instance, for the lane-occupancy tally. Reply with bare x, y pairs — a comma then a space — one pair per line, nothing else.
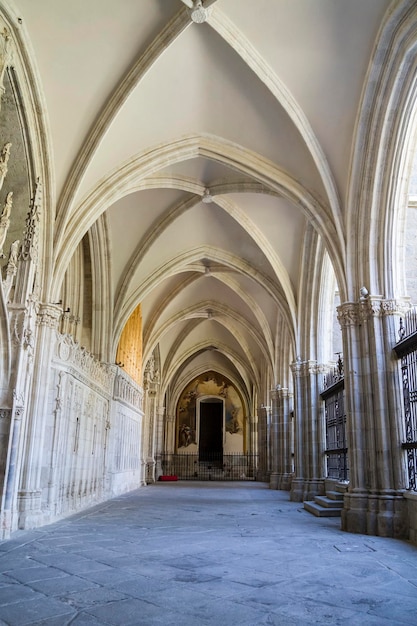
204, 553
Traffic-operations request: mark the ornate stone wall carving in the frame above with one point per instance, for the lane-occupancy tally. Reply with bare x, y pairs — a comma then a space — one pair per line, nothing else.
127, 391
30, 246
83, 364
6, 56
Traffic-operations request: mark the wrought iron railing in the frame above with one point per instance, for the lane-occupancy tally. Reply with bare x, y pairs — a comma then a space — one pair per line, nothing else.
234, 466
406, 349
333, 395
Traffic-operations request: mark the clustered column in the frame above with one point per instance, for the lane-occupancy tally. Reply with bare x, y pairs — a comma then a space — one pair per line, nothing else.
281, 459
263, 468
374, 503
309, 432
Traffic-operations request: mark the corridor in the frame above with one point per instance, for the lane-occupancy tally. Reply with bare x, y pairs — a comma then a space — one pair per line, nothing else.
204, 553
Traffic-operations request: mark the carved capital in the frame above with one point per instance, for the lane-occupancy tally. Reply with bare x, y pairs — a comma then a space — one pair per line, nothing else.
49, 316
348, 314
356, 313
395, 307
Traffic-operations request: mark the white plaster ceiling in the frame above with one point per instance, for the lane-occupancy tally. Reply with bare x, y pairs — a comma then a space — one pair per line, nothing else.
146, 109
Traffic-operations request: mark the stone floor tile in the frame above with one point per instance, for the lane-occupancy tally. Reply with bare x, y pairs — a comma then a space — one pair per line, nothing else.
13, 594
126, 612
32, 574
66, 584
246, 554
35, 610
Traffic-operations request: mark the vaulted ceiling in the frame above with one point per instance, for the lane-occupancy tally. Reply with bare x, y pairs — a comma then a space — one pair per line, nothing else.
209, 138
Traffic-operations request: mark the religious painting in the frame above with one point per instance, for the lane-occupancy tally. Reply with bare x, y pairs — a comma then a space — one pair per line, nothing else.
210, 384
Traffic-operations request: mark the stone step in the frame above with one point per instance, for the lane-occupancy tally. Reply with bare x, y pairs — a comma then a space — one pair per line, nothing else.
321, 511
328, 503
341, 487
335, 495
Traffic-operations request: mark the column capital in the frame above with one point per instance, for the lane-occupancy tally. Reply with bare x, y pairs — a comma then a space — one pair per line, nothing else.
367, 307
49, 315
305, 368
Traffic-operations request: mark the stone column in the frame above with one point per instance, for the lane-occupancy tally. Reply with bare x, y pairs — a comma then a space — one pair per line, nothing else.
253, 434
263, 473
283, 463
169, 447
374, 503
274, 438
29, 497
159, 443
150, 441
8, 509
309, 443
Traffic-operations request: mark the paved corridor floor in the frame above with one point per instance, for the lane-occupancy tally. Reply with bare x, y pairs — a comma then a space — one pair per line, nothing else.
204, 553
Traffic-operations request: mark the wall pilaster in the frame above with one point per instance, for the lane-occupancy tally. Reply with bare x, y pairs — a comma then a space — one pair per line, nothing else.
29, 496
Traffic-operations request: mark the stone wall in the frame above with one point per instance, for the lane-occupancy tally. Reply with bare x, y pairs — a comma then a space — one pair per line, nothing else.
93, 432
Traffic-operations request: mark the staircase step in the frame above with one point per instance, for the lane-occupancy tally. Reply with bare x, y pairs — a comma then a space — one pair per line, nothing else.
341, 487
328, 503
321, 511
335, 495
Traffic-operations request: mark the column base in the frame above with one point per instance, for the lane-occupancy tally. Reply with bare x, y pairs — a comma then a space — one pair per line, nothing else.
6, 525
30, 509
313, 487
297, 490
382, 514
280, 481
306, 489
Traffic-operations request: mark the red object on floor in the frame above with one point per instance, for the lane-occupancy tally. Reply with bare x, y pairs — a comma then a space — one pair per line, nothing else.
168, 478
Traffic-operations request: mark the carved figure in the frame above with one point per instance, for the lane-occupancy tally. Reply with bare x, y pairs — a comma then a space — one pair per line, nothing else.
5, 221
5, 55
4, 159
14, 252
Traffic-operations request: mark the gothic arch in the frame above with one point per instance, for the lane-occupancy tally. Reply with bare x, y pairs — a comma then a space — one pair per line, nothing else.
125, 179
386, 130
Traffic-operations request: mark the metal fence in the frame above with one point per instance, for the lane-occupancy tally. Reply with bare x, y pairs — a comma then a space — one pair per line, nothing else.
406, 349
336, 451
220, 467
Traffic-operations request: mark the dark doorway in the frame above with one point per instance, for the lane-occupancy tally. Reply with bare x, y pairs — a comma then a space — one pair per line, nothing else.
211, 431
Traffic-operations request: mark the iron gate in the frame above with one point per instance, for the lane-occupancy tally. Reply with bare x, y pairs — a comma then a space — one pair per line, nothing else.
336, 451
219, 467
406, 349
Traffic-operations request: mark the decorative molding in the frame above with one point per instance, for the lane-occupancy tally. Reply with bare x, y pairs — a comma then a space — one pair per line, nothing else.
5, 414
30, 246
18, 404
127, 391
83, 365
